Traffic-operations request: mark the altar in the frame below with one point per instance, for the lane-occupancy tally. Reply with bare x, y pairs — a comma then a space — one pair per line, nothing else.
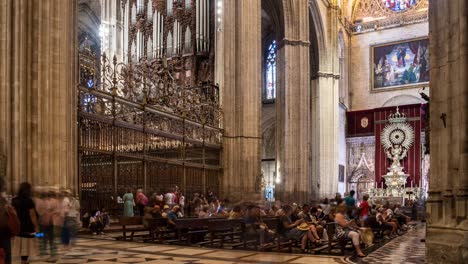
396, 139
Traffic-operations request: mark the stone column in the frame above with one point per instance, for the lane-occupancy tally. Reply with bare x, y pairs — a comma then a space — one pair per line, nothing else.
37, 92
325, 109
241, 97
447, 205
293, 105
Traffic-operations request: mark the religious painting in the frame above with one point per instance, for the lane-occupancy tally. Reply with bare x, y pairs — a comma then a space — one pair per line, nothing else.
399, 5
341, 173
402, 64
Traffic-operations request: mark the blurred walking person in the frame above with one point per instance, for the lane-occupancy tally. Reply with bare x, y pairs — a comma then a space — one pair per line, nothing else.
25, 208
71, 215
9, 225
47, 210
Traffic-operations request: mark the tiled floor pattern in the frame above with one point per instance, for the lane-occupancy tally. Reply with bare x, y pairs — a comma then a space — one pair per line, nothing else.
405, 249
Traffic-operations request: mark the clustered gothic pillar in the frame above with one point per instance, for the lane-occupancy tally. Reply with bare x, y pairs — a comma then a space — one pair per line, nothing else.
241, 98
37, 92
447, 205
293, 105
325, 108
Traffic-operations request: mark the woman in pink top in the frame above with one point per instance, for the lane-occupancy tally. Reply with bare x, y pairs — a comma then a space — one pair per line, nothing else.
141, 201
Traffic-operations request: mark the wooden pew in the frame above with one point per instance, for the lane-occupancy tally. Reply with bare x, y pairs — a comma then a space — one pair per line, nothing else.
187, 228
220, 229
135, 223
281, 242
158, 229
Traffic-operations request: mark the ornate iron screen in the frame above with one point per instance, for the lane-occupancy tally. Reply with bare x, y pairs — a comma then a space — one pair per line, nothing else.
138, 127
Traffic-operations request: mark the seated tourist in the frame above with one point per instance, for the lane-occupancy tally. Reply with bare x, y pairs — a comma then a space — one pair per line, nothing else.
273, 210
401, 217
151, 213
317, 220
295, 211
381, 219
172, 216
96, 223
166, 211
280, 212
325, 206
293, 230
235, 213
306, 217
345, 229
204, 213
255, 225
218, 209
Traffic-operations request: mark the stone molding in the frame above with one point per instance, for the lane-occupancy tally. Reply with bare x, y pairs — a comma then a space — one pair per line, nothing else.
293, 42
328, 75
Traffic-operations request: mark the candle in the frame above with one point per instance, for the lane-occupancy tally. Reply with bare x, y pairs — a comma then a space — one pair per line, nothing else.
411, 184
381, 185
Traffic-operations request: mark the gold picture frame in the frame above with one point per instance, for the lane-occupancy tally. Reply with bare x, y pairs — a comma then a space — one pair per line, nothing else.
399, 65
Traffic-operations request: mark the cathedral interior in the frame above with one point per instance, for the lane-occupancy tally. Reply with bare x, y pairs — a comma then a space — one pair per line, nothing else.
214, 105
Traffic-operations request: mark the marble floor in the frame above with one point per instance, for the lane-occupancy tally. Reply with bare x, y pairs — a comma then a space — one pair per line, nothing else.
405, 249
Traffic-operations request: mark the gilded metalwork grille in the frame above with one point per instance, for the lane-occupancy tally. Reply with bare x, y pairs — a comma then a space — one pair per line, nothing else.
140, 128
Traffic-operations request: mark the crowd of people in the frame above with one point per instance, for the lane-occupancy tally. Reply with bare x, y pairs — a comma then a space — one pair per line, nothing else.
52, 216
55, 216
300, 223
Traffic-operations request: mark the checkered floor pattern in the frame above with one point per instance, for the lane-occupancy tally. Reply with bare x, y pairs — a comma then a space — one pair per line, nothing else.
405, 249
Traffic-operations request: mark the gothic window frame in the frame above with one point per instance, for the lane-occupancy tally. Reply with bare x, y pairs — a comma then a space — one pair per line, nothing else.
270, 60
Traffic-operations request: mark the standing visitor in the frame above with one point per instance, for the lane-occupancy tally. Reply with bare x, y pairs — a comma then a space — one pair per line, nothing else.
181, 203
141, 201
364, 209
129, 203
24, 206
350, 203
9, 225
170, 198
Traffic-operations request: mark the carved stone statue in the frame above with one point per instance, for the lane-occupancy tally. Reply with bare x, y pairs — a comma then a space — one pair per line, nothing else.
396, 153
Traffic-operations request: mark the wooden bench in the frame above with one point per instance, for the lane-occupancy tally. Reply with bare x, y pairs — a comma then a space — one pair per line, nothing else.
158, 229
135, 223
220, 229
187, 228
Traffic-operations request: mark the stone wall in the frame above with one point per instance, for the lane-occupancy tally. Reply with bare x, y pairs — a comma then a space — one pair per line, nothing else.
361, 96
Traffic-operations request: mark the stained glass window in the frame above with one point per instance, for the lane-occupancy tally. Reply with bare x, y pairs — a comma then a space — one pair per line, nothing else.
399, 5
270, 78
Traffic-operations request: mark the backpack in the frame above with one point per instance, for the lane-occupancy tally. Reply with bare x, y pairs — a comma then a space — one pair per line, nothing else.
13, 221
2, 256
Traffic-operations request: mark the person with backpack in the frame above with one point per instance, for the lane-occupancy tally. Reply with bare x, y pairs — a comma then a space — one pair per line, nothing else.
9, 225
